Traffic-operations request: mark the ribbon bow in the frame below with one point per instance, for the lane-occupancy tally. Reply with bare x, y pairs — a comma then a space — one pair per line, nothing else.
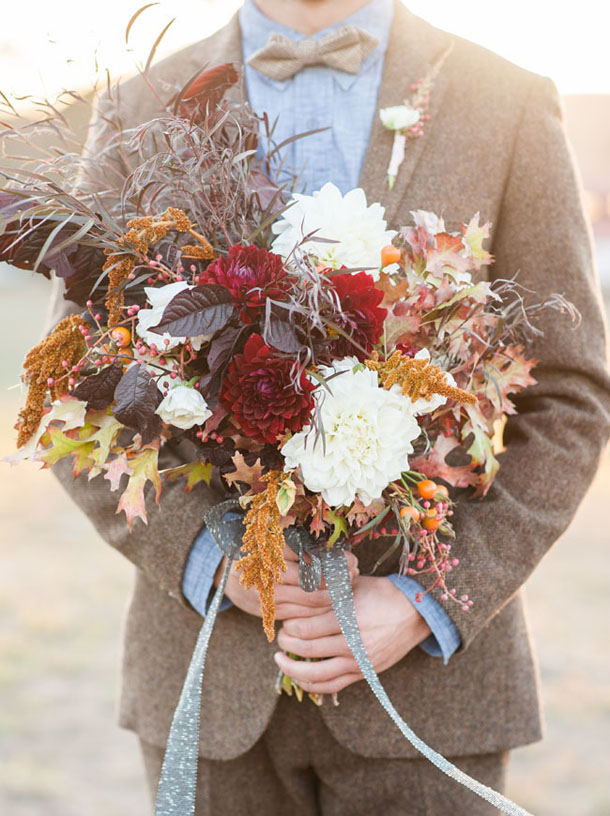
343, 49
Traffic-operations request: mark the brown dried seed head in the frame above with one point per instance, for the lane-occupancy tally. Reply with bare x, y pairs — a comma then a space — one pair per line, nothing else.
44, 362
264, 541
416, 378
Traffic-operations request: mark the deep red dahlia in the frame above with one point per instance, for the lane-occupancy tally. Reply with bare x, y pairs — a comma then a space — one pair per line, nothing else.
259, 391
251, 275
362, 317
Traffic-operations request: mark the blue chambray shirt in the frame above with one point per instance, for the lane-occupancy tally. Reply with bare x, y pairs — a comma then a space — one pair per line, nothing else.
319, 97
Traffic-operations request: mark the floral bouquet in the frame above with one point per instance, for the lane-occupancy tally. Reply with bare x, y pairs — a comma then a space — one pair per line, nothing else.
346, 381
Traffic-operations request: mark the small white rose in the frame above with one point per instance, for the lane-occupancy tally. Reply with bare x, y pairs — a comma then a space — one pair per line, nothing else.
183, 407
399, 117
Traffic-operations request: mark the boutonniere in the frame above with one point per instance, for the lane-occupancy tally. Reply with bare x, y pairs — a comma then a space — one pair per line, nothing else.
408, 120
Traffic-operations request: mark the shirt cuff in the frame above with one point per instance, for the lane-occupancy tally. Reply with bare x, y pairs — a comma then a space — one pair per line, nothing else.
445, 638
203, 561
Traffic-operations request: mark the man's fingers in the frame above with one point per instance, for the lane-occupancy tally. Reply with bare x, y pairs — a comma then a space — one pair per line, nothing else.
284, 611
292, 558
333, 646
320, 671
332, 686
286, 593
291, 576
314, 627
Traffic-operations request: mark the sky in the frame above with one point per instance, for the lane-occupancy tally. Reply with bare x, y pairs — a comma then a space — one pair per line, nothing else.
46, 46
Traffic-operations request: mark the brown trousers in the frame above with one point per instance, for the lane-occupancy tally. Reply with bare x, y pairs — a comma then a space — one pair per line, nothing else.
297, 768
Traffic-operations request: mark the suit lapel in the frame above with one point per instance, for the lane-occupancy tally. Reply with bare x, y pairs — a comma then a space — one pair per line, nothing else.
414, 47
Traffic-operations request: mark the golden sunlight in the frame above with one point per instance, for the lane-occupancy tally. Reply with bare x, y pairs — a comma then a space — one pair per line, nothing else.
45, 47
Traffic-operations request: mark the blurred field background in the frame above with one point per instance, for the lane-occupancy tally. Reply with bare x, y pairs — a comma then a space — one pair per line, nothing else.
63, 593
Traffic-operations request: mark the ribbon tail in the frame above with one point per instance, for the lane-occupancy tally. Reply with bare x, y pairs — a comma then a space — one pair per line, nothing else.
336, 573
178, 782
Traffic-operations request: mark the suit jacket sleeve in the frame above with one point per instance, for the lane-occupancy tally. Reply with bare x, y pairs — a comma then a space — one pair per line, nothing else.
555, 441
161, 548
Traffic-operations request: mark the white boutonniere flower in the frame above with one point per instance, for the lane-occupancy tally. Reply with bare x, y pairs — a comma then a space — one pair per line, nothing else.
400, 119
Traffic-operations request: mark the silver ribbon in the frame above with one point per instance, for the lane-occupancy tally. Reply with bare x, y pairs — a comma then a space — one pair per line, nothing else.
178, 783
336, 573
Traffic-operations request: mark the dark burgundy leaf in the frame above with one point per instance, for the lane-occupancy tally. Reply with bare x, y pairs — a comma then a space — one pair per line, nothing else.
209, 387
202, 310
279, 331
22, 242
136, 398
98, 389
221, 349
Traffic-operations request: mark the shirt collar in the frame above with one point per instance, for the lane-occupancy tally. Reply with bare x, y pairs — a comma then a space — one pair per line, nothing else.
375, 18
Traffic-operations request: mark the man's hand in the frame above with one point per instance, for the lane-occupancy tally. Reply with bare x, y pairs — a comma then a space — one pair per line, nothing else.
290, 600
390, 626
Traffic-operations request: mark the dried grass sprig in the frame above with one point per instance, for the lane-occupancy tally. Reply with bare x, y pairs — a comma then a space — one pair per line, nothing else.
264, 541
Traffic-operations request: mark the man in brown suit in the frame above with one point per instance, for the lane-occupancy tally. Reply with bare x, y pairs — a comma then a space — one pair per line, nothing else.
495, 144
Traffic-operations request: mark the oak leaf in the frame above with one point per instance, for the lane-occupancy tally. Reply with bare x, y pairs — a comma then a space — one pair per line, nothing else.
115, 469
145, 468
474, 235
248, 474
392, 291
62, 446
195, 472
433, 464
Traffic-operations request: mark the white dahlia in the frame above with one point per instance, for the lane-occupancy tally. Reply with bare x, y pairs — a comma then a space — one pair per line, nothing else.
359, 231
368, 433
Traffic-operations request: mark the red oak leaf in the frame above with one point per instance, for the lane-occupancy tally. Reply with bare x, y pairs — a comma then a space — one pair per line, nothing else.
145, 468
115, 469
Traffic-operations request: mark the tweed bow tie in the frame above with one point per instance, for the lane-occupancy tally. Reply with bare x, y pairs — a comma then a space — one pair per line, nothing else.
343, 49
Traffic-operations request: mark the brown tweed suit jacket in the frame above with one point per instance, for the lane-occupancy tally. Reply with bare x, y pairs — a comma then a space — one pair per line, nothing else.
495, 143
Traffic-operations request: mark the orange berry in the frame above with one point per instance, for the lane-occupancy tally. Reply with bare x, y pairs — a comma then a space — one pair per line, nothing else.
390, 254
121, 336
431, 523
410, 511
427, 489
442, 490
